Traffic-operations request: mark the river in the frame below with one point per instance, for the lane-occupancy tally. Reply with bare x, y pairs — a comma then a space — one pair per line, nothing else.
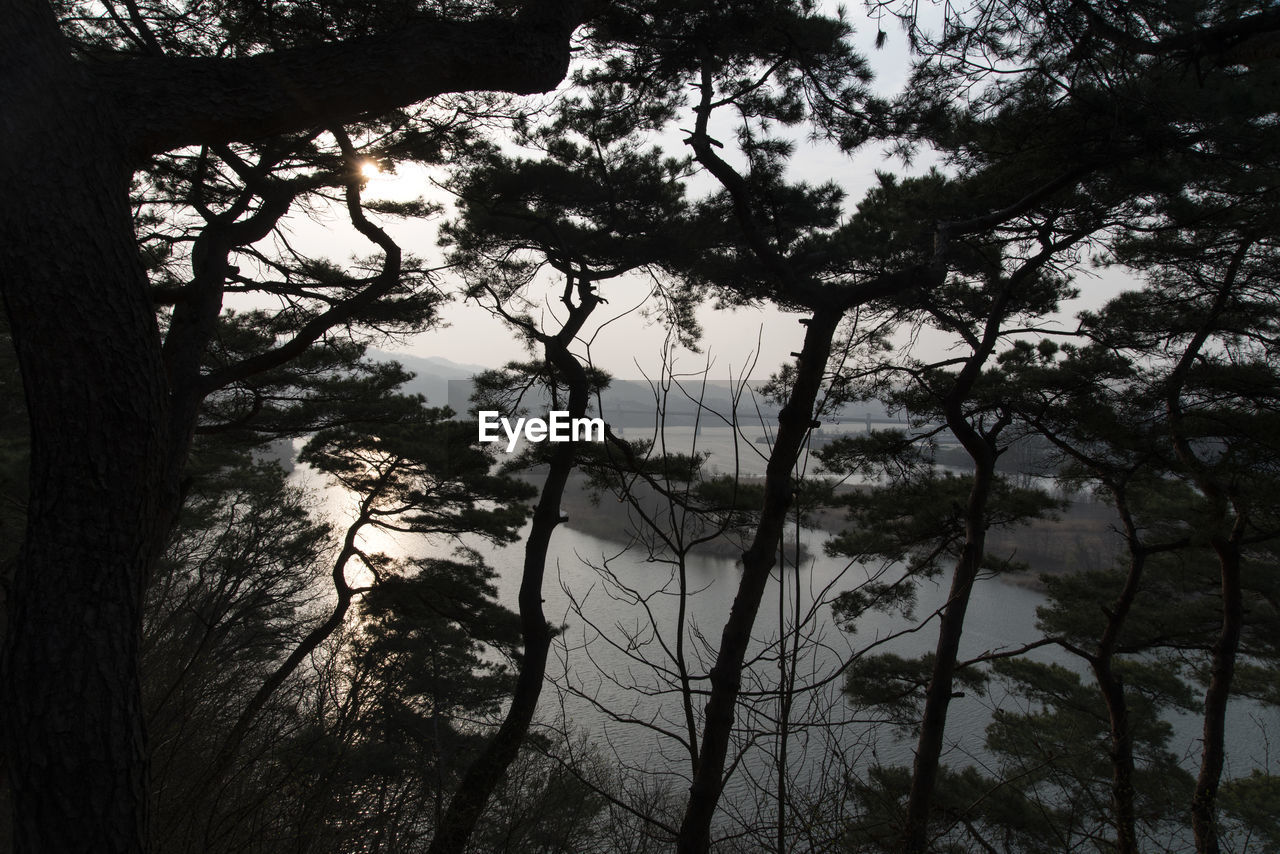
612, 682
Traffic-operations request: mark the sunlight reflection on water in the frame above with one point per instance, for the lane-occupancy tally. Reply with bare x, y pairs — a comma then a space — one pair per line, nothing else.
594, 670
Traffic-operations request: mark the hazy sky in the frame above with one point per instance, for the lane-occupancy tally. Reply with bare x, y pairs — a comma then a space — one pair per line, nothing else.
622, 340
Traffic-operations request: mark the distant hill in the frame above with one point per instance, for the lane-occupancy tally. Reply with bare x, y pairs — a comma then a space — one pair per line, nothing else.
432, 374
627, 403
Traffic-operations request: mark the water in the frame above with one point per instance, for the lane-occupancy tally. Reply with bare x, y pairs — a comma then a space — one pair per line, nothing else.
615, 607
619, 609
613, 684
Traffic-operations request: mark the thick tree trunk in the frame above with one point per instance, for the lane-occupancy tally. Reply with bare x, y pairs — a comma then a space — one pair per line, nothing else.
105, 447
101, 495
726, 676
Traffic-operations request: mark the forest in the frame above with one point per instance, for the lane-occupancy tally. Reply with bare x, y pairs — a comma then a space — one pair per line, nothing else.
1044, 255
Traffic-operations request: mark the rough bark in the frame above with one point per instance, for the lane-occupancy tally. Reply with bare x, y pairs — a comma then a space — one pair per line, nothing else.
100, 500
169, 102
794, 422
106, 446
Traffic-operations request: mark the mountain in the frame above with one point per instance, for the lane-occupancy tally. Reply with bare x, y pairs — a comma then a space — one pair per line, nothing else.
432, 375
626, 403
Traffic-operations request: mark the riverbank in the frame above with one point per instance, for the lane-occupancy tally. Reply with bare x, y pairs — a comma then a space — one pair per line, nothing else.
1083, 536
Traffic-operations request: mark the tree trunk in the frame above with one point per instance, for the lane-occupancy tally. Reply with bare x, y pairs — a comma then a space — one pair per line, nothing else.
924, 777
319, 633
105, 447
1204, 822
1112, 688
1121, 754
487, 770
981, 447
102, 494
726, 676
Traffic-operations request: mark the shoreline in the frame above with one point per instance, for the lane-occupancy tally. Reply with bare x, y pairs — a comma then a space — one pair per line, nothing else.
1082, 537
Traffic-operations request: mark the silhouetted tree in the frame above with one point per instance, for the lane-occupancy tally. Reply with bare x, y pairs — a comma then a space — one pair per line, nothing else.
111, 408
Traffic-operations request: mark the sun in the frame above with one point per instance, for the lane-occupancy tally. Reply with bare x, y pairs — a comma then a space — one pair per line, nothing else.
385, 179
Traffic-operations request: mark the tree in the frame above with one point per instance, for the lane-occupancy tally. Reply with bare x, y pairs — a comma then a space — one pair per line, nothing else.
771, 240
421, 475
1084, 56
14, 447
111, 418
1159, 430
564, 214
1207, 374
1013, 278
114, 393
658, 655
269, 711
1094, 422
236, 581
421, 674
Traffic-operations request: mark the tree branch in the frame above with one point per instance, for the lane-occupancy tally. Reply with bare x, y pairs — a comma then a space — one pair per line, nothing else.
169, 102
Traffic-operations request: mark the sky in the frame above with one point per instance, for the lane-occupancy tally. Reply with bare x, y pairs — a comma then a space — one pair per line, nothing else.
624, 339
